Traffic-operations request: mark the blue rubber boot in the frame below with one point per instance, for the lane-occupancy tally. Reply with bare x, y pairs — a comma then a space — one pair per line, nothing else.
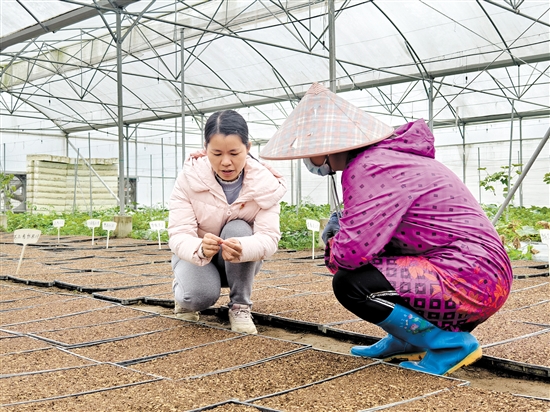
445, 351
389, 348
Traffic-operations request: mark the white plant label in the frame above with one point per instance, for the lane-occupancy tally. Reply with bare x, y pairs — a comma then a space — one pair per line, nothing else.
158, 225
93, 223
58, 223
314, 226
25, 237
545, 238
108, 226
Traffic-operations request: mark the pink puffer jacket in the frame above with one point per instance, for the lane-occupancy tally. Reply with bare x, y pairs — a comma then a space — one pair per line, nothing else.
198, 205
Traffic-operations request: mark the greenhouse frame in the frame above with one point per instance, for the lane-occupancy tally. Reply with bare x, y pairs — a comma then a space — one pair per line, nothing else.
102, 81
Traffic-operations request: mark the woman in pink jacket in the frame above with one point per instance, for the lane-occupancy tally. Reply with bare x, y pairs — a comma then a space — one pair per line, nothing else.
223, 221
412, 251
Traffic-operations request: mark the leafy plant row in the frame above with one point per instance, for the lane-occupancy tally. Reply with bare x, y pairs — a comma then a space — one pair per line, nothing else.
516, 225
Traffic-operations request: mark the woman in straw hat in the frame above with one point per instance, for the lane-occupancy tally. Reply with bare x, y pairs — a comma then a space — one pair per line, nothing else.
412, 251
223, 221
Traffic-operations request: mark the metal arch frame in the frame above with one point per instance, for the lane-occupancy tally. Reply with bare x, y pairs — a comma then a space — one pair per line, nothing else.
295, 50
161, 114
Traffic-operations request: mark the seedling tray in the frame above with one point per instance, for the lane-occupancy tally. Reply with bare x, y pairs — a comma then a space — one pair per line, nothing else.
370, 386
66, 382
203, 360
106, 332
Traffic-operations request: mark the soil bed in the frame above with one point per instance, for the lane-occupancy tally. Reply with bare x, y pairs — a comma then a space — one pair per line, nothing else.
208, 358
63, 307
65, 382
533, 350
185, 336
39, 360
20, 344
473, 399
166, 396
106, 331
92, 317
380, 385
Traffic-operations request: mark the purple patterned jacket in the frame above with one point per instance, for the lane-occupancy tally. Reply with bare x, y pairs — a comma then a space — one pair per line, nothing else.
405, 210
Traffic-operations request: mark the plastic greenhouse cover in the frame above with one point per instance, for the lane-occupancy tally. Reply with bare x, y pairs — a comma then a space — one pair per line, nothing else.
244, 54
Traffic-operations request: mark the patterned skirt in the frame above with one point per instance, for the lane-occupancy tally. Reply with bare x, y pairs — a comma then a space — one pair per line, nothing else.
451, 301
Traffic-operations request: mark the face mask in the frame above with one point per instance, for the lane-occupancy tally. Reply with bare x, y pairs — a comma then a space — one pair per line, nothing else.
323, 170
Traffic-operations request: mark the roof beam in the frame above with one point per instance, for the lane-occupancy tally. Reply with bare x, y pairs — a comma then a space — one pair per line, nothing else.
59, 22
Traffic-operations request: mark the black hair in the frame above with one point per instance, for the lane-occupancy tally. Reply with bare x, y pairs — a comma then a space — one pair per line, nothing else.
226, 122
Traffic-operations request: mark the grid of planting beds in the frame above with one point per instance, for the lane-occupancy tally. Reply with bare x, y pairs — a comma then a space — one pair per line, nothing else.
71, 341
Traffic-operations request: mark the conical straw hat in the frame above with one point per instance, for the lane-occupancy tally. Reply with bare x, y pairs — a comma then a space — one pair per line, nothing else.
323, 123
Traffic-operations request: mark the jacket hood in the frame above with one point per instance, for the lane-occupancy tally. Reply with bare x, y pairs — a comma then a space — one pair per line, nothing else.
261, 183
413, 137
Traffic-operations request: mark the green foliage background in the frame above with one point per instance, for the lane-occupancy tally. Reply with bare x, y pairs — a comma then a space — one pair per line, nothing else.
517, 224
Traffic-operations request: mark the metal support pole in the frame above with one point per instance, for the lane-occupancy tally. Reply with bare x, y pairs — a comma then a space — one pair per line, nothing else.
201, 127
127, 157
75, 178
182, 78
299, 185
520, 160
332, 78
162, 167
136, 156
431, 105
151, 180
90, 170
292, 184
464, 153
510, 148
331, 46
522, 176
176, 148
479, 173
121, 182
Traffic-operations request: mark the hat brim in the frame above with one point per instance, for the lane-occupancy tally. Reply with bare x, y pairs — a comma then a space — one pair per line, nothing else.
321, 124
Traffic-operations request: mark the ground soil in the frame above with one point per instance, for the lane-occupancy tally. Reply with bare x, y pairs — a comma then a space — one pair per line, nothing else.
478, 377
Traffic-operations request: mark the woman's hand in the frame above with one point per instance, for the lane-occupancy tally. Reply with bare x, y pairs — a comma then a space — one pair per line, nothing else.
231, 250
211, 245
332, 227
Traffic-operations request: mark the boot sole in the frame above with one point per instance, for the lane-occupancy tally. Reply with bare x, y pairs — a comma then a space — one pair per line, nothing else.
405, 357
468, 360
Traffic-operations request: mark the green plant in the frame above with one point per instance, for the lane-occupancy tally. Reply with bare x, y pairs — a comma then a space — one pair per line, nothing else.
546, 178
294, 233
7, 190
522, 226
503, 177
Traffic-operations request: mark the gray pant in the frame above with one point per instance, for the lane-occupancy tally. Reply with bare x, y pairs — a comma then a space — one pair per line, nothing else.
198, 287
